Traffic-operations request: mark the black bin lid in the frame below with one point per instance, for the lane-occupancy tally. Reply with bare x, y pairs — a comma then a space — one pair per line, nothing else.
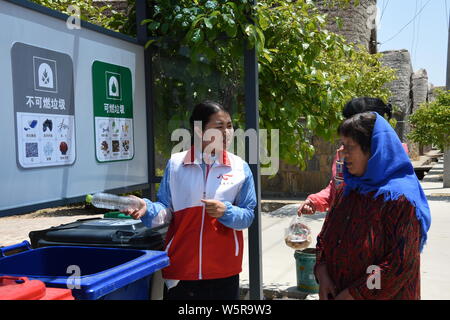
102, 231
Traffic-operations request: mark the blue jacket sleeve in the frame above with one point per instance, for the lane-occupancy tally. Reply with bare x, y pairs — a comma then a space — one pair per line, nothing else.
240, 216
164, 199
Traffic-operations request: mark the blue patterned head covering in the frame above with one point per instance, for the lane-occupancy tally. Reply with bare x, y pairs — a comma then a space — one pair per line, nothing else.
390, 173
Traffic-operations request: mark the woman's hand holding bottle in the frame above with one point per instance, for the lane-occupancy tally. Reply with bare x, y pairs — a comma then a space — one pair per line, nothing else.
136, 212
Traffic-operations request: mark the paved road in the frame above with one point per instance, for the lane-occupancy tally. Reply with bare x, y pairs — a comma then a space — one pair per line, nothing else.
15, 229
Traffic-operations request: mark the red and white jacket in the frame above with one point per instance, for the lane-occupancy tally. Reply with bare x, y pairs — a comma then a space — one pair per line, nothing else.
199, 246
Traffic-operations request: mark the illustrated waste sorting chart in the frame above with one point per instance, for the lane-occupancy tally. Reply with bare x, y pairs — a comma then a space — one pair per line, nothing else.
113, 112
43, 106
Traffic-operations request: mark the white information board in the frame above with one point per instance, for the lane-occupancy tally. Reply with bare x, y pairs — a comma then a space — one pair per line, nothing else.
25, 132
43, 106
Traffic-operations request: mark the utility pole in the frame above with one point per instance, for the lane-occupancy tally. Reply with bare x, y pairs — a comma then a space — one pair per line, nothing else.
447, 148
252, 122
448, 57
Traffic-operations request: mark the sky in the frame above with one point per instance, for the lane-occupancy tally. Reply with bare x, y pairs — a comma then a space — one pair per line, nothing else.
426, 37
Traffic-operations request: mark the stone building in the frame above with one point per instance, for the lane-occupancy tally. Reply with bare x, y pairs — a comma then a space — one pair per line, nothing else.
357, 22
409, 91
400, 60
290, 181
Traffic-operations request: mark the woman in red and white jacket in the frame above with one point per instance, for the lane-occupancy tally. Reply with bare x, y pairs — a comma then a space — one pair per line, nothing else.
210, 197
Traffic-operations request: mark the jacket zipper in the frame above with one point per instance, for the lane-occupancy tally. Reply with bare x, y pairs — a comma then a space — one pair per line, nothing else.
205, 175
201, 245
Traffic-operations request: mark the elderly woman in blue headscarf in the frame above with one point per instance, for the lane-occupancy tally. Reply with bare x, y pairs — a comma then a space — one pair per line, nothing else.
371, 240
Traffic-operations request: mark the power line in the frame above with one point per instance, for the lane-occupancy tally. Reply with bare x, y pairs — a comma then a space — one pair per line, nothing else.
414, 31
418, 32
384, 9
403, 28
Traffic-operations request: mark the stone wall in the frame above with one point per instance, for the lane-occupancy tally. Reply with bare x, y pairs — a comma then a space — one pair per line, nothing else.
409, 91
400, 60
419, 88
356, 21
290, 181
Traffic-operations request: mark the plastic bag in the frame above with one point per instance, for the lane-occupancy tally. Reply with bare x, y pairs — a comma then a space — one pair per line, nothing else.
298, 235
164, 217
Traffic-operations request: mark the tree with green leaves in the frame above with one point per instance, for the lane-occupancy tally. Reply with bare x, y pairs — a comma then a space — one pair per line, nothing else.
430, 124
306, 73
104, 16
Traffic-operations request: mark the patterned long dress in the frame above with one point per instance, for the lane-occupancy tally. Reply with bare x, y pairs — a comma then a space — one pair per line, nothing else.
371, 247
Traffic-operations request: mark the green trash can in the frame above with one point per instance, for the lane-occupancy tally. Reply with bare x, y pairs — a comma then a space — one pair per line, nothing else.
305, 261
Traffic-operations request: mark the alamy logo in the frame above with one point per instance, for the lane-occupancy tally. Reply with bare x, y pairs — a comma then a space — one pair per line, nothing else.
374, 278
74, 20
261, 147
45, 77
74, 280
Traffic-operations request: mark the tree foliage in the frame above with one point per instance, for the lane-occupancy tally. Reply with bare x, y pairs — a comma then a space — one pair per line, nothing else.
306, 73
431, 122
104, 16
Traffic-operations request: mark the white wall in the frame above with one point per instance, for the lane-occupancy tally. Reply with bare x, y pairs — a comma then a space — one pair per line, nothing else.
21, 187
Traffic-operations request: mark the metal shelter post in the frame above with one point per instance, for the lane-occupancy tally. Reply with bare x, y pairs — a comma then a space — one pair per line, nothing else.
446, 176
142, 12
252, 122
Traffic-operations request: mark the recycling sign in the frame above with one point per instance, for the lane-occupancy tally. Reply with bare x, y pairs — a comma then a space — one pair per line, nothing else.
43, 106
113, 112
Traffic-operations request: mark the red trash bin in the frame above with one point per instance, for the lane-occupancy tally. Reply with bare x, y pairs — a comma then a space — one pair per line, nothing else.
21, 288
57, 294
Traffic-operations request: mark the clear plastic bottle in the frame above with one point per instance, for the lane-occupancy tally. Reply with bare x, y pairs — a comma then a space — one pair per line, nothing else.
112, 201
339, 177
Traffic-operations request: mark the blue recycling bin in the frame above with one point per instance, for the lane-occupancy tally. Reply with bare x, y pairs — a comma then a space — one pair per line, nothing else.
104, 273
